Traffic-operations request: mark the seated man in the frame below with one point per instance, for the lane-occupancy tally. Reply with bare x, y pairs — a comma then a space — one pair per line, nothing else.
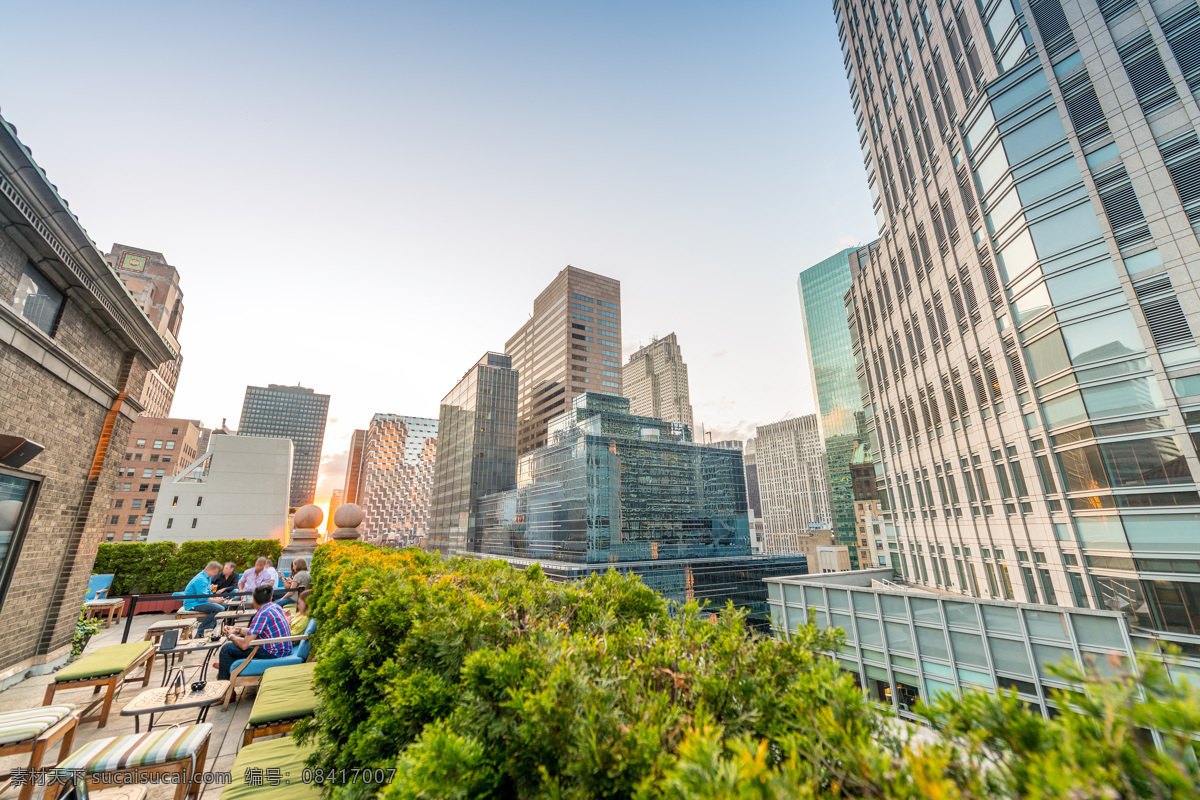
263, 574
227, 581
269, 622
202, 585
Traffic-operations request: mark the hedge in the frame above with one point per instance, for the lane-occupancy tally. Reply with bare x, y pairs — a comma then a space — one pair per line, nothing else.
161, 567
466, 678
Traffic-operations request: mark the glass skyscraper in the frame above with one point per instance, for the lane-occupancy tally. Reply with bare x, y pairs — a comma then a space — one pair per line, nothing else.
1025, 324
477, 451
822, 289
290, 412
612, 489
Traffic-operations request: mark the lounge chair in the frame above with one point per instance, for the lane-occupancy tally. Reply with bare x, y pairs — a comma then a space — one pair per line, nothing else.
139, 756
285, 696
284, 755
249, 671
106, 667
97, 602
34, 731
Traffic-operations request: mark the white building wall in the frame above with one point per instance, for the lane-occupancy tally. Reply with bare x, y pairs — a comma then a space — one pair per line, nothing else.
239, 489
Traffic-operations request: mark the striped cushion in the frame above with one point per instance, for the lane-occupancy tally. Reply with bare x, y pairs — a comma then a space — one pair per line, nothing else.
21, 726
137, 750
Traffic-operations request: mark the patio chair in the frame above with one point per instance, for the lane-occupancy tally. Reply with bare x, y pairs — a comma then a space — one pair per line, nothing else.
249, 671
142, 758
108, 668
285, 696
35, 731
284, 755
185, 613
97, 602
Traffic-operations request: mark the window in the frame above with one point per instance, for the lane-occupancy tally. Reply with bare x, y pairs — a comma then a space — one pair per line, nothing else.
146, 473
140, 443
158, 443
199, 500
143, 487
194, 520
132, 520
154, 458
170, 522
170, 445
158, 473
174, 431
137, 503
114, 520
118, 503
137, 457
38, 300
166, 459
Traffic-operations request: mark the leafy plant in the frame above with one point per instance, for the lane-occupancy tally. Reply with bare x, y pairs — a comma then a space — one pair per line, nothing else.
164, 567
474, 679
85, 629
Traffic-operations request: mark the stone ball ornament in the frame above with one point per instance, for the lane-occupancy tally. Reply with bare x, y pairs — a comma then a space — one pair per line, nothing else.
308, 517
347, 518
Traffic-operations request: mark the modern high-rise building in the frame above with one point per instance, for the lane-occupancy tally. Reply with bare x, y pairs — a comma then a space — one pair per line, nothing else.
358, 440
570, 345
792, 482
335, 502
753, 496
396, 482
154, 285
631, 493
158, 449
476, 453
295, 413
822, 289
1026, 322
655, 380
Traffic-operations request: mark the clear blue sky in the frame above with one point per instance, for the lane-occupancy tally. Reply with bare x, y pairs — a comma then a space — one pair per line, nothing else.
364, 197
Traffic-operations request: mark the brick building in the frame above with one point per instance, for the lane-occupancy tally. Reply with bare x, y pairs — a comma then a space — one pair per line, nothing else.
74, 354
158, 449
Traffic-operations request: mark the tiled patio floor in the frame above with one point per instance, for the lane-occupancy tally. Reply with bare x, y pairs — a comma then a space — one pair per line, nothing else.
228, 726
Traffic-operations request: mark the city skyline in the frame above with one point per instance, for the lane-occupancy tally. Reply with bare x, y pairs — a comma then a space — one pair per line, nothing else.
692, 166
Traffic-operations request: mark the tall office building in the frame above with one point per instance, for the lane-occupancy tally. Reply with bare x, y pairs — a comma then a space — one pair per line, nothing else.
570, 345
477, 451
750, 460
613, 490
290, 412
335, 502
396, 481
822, 289
792, 481
656, 382
154, 285
354, 466
1027, 319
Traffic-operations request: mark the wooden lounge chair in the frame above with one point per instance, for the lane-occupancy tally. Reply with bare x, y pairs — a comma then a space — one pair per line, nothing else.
97, 602
249, 671
109, 668
137, 757
34, 731
285, 696
156, 630
283, 754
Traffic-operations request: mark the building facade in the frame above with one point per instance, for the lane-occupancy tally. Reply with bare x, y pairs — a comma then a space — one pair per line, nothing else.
238, 489
336, 498
838, 397
1027, 319
655, 380
396, 481
613, 489
358, 440
477, 451
570, 345
158, 449
204, 437
75, 351
792, 482
154, 285
869, 519
295, 413
753, 496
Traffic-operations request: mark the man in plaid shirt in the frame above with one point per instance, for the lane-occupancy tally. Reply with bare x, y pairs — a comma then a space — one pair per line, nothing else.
269, 622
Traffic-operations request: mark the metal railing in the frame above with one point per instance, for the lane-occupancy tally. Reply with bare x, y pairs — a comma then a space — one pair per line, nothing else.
134, 598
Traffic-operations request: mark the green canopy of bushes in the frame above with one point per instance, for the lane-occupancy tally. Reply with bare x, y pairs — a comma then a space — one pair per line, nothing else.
473, 679
163, 567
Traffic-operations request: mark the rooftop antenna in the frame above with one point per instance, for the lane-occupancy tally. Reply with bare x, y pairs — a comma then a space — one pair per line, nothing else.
786, 414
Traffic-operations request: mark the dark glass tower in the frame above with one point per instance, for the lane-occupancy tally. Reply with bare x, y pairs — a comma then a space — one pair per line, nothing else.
290, 412
477, 451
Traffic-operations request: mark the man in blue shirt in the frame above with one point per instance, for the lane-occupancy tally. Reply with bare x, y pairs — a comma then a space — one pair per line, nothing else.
202, 584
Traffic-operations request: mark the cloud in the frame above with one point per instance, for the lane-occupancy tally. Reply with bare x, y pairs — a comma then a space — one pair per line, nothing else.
718, 354
332, 475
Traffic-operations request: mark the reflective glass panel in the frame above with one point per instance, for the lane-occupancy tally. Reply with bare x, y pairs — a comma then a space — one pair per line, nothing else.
1001, 619
1049, 181
843, 621
868, 631
1031, 304
1098, 631
961, 614
1065, 230
1010, 656
925, 610
1064, 410
1074, 285
932, 642
1016, 256
899, 637
1110, 336
1125, 397
968, 649
1047, 356
1039, 134
1049, 655
1046, 625
1178, 532
1145, 462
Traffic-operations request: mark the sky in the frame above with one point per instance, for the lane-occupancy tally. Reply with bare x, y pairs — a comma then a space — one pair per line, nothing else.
363, 198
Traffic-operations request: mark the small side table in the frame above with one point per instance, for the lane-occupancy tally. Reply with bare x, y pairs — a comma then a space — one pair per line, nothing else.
186, 648
155, 701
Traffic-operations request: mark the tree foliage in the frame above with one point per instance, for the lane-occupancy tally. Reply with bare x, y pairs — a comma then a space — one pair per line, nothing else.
164, 567
474, 679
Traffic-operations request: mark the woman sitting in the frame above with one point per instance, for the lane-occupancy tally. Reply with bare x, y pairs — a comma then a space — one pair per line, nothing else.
299, 620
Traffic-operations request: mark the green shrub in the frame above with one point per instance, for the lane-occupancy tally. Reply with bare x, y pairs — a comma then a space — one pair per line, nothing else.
163, 567
85, 629
474, 679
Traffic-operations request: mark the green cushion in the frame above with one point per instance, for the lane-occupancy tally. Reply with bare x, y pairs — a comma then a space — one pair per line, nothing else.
104, 662
286, 692
283, 754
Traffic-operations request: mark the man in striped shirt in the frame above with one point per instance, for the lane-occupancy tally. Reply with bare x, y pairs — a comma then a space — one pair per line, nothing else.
269, 622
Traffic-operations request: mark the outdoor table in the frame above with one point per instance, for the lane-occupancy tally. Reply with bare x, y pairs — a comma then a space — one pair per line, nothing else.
157, 701
226, 617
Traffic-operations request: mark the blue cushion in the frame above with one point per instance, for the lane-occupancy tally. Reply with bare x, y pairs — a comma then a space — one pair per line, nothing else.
260, 665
